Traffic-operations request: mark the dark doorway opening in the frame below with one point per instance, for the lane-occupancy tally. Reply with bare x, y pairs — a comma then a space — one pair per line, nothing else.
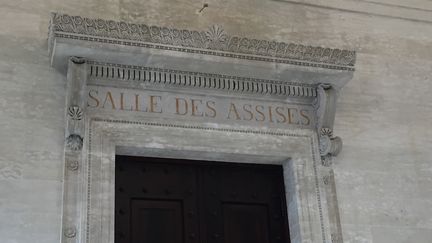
183, 201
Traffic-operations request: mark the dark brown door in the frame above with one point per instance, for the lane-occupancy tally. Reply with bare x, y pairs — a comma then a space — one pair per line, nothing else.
180, 201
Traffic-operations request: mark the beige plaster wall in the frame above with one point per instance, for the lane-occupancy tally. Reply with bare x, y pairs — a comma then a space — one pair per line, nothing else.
383, 175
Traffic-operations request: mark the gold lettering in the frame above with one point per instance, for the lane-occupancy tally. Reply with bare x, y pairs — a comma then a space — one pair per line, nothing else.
154, 104
270, 114
122, 102
233, 109
93, 97
279, 112
195, 111
109, 96
248, 109
261, 112
304, 113
291, 116
211, 106
137, 102
178, 106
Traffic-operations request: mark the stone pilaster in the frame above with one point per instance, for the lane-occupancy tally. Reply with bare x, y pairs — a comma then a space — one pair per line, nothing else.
74, 140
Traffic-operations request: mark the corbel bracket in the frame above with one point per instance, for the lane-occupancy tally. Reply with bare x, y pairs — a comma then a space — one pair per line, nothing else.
325, 108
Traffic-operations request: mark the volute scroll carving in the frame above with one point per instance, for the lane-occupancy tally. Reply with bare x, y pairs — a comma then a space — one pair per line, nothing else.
329, 145
325, 108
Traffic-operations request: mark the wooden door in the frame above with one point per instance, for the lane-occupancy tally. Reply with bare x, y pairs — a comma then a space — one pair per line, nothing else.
180, 201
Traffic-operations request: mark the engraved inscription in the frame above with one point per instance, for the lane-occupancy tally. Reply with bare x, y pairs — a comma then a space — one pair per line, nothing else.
217, 109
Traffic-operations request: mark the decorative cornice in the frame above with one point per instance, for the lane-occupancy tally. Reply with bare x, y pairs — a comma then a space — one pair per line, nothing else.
214, 41
200, 80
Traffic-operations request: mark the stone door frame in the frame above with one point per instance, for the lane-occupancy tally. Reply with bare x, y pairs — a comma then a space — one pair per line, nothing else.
296, 151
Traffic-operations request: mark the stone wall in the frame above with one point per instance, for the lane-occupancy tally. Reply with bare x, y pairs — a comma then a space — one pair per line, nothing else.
383, 174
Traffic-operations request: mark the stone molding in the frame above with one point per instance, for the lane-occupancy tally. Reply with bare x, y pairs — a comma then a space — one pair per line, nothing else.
214, 41
200, 80
106, 133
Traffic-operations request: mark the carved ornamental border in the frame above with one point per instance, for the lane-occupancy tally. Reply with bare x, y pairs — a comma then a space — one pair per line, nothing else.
214, 41
177, 78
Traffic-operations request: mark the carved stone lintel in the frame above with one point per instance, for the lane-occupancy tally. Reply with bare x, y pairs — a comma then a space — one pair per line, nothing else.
70, 232
74, 142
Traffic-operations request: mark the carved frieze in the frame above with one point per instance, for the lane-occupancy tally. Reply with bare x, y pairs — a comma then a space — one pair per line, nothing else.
214, 41
201, 80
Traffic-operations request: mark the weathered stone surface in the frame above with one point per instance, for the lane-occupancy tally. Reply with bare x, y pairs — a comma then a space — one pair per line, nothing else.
383, 114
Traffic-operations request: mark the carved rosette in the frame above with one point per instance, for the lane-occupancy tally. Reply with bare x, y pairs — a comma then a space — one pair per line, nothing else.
72, 165
328, 145
69, 232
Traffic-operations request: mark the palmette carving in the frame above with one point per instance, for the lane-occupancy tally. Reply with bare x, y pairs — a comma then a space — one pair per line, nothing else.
74, 142
215, 38
70, 232
75, 113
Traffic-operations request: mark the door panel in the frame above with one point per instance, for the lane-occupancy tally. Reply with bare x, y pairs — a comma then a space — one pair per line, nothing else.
241, 218
156, 221
254, 191
180, 201
147, 187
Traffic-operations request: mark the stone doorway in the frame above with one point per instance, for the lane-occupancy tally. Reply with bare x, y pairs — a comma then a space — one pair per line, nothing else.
184, 201
153, 92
